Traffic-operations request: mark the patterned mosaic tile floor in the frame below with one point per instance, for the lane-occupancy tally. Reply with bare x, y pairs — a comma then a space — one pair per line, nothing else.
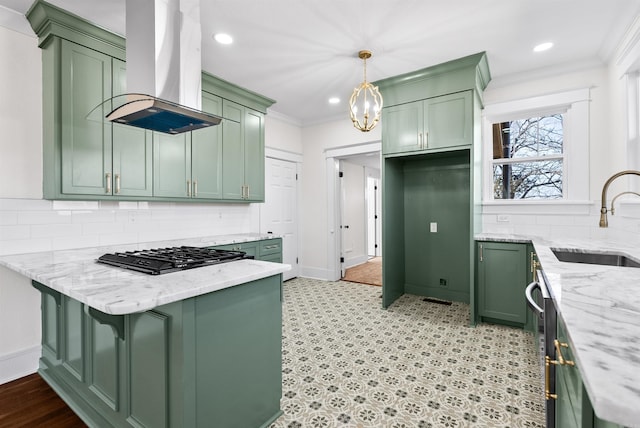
349, 363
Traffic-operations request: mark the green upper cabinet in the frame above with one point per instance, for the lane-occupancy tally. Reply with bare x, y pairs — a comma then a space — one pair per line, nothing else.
85, 83
172, 165
88, 158
132, 155
189, 165
206, 154
242, 153
432, 124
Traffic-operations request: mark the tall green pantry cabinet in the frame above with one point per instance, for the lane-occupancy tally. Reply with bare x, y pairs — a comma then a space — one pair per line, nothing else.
431, 179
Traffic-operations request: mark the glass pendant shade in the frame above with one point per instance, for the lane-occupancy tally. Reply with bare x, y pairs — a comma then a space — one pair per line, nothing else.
365, 105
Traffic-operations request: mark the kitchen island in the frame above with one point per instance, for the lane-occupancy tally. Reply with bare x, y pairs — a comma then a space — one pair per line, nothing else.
599, 307
200, 347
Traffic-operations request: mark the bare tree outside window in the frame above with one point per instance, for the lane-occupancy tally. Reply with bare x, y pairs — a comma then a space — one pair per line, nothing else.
528, 158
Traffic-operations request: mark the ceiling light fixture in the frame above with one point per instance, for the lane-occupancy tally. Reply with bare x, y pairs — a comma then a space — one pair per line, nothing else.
365, 105
223, 38
543, 47
334, 100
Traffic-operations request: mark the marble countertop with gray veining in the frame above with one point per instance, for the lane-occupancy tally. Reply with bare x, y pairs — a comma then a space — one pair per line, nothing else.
75, 273
600, 307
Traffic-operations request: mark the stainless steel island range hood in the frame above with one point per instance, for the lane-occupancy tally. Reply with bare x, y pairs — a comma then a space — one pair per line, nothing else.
164, 67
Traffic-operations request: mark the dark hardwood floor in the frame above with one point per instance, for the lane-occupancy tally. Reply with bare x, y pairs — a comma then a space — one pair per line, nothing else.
30, 402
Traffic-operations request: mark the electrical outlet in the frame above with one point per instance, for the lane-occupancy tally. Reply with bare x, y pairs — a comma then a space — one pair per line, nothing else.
443, 282
502, 218
433, 227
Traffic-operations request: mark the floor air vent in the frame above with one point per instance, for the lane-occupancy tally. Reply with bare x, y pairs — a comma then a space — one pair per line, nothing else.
432, 300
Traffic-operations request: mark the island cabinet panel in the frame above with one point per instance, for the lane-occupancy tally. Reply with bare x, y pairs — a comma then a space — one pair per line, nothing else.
239, 366
149, 339
210, 360
104, 363
74, 330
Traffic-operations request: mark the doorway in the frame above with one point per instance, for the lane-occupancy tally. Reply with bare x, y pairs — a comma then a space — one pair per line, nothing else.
362, 160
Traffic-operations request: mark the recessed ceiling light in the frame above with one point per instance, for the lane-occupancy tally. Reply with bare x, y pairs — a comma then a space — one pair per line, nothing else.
543, 47
334, 100
223, 38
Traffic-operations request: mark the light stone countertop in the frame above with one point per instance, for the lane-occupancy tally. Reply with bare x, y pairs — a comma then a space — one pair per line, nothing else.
600, 307
75, 273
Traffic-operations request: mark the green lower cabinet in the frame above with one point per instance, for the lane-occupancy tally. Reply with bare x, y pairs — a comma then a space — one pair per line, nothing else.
211, 360
503, 273
573, 406
269, 250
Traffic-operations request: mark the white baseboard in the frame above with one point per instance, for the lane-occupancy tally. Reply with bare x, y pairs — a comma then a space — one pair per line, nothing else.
355, 261
314, 273
19, 364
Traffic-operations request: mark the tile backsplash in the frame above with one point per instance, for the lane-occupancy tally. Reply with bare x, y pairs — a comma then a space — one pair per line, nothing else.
31, 225
562, 221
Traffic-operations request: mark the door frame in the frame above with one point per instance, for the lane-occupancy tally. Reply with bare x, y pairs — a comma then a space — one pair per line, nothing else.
332, 165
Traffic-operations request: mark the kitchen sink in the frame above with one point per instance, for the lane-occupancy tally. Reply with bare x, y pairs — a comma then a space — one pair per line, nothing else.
609, 259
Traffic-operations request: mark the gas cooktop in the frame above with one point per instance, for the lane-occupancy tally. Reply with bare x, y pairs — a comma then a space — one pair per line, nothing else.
164, 260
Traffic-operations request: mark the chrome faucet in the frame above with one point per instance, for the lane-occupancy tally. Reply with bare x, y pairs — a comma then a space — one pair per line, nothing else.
603, 208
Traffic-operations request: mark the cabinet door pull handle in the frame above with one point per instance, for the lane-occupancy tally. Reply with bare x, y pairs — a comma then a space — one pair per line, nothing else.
195, 188
247, 186
547, 375
108, 183
117, 184
481, 256
188, 187
426, 140
420, 140
559, 345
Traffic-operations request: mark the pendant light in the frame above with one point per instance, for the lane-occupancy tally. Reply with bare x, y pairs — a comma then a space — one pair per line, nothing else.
365, 105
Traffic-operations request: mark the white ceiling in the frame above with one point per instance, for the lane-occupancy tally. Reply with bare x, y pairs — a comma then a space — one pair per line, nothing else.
302, 52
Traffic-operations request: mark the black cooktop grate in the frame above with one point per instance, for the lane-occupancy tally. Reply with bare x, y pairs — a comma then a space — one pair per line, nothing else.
164, 260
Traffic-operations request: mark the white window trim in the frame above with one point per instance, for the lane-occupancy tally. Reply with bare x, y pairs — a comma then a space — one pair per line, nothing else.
575, 107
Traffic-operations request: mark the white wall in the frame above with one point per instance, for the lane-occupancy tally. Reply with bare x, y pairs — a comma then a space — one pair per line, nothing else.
29, 224
607, 155
314, 227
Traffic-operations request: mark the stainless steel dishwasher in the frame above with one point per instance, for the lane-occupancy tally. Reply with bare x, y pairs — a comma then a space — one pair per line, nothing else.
540, 302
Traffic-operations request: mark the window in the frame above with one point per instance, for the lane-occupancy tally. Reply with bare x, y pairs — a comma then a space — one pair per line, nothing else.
537, 150
528, 158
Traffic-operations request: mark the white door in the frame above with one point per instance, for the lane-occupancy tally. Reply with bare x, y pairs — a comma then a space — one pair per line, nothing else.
353, 215
279, 213
373, 217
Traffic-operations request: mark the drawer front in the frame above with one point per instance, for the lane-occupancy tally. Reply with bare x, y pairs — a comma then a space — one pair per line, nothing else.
270, 246
248, 247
